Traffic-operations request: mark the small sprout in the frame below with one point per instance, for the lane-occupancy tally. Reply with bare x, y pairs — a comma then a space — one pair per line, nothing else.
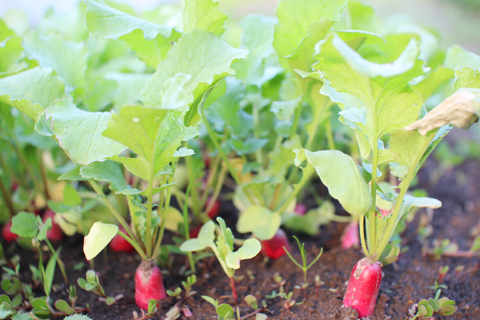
318, 283
152, 309
278, 279
225, 312
177, 293
92, 284
334, 290
250, 275
304, 266
251, 301
210, 300
426, 309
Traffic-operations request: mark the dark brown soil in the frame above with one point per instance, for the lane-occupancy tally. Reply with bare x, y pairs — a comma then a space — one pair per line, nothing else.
404, 283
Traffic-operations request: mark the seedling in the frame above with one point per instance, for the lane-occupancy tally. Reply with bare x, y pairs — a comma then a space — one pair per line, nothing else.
303, 266
442, 272
447, 248
227, 312
427, 309
92, 284
151, 311
178, 293
223, 248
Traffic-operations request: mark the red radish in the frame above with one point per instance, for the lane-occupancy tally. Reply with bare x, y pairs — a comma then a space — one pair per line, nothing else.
363, 287
7, 234
215, 210
350, 236
119, 244
206, 161
273, 248
55, 233
194, 232
148, 284
300, 209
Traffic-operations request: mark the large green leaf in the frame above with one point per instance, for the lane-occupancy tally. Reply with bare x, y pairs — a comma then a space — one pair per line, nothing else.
249, 249
467, 78
199, 54
296, 17
108, 171
98, 238
68, 59
79, 132
24, 224
261, 221
150, 41
257, 38
203, 15
457, 58
340, 174
32, 91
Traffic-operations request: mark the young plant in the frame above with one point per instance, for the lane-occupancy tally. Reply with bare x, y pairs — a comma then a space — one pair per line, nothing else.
303, 266
223, 248
178, 308
91, 283
442, 272
427, 309
226, 311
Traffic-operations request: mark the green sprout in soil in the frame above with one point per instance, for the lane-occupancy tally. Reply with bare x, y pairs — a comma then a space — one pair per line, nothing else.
303, 266
227, 312
223, 248
92, 284
181, 295
427, 309
442, 272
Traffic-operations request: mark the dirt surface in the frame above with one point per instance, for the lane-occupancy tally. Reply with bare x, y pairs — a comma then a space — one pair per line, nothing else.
404, 283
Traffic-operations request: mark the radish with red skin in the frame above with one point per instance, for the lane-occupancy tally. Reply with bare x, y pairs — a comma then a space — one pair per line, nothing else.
55, 233
194, 232
273, 248
215, 210
385, 212
350, 236
363, 286
119, 244
300, 209
148, 284
7, 234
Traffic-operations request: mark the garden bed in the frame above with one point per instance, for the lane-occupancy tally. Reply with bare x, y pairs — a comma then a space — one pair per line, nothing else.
399, 290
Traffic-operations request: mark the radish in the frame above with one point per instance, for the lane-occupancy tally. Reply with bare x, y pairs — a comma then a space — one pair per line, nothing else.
215, 209
7, 234
385, 212
350, 236
148, 284
273, 248
300, 209
55, 233
363, 287
119, 244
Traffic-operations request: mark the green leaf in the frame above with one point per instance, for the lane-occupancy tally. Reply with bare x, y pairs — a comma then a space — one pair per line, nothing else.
21, 316
247, 146
467, 78
457, 58
32, 91
24, 224
73, 174
432, 81
78, 317
70, 196
98, 238
204, 240
137, 166
284, 110
261, 221
50, 273
340, 174
251, 300
61, 305
201, 45
80, 133
10, 52
406, 147
211, 301
203, 15
249, 249
224, 309
108, 171
68, 59
296, 17
257, 38
476, 244
149, 40
261, 316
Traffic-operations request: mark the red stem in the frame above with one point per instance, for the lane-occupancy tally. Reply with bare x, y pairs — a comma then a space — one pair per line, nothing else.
234, 290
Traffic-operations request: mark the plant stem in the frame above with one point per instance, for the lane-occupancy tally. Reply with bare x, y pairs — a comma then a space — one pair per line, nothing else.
316, 125
195, 203
44, 176
387, 234
186, 229
23, 160
218, 188
330, 140
362, 235
59, 261
256, 127
211, 175
8, 199
307, 172
296, 120
372, 232
148, 231
234, 289
134, 244
110, 206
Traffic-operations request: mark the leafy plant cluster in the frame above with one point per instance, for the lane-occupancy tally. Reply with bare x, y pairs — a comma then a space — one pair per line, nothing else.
109, 116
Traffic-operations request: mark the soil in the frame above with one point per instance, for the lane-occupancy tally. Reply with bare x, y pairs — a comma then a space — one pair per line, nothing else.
404, 283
